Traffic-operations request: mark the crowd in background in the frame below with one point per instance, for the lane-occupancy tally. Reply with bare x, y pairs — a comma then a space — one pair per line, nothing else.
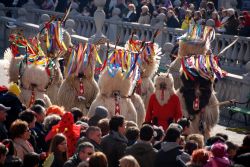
225, 16
29, 135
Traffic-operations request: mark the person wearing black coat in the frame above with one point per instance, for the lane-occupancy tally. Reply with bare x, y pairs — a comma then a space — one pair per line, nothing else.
114, 144
131, 16
170, 149
83, 152
172, 20
93, 135
62, 6
143, 150
232, 23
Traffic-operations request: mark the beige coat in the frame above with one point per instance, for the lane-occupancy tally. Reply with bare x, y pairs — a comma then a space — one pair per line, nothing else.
144, 19
22, 147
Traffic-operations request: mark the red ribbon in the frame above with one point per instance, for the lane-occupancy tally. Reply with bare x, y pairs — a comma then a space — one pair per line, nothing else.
32, 98
138, 87
81, 88
117, 107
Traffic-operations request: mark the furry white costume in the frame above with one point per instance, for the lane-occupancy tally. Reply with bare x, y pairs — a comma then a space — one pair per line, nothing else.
79, 89
164, 105
139, 107
113, 95
148, 67
34, 80
55, 54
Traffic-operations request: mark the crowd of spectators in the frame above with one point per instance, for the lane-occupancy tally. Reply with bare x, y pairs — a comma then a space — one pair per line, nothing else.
226, 17
29, 135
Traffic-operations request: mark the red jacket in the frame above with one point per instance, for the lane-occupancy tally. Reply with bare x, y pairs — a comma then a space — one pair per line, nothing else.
165, 113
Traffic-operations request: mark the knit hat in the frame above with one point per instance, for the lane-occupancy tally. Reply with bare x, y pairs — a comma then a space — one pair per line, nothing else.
219, 150
14, 88
100, 113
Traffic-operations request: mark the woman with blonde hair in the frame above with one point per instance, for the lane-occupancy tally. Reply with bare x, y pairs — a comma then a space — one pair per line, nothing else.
128, 161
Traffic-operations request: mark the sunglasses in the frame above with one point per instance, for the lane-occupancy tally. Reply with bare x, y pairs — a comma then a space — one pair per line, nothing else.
89, 153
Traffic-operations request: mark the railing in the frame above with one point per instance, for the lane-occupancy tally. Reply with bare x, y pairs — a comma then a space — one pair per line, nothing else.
232, 60
231, 87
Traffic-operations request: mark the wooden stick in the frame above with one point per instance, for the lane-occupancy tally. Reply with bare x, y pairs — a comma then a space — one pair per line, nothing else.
223, 103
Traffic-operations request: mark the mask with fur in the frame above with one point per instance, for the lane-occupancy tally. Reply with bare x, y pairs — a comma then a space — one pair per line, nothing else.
164, 88
191, 90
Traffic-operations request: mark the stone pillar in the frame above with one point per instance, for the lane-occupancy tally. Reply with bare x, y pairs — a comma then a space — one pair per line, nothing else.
2, 12
112, 29
44, 19
22, 13
69, 26
245, 89
99, 18
159, 25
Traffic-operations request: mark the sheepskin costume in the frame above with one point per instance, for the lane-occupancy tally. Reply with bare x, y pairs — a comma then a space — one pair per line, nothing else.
13, 67
114, 95
139, 107
79, 88
199, 68
148, 67
55, 54
55, 83
199, 103
164, 105
14, 54
34, 80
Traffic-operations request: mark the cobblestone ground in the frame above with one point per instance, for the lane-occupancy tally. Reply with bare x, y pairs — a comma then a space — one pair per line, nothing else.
221, 127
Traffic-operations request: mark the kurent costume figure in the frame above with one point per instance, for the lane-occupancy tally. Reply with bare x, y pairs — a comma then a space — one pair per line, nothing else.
164, 105
114, 95
199, 68
79, 88
148, 66
34, 77
55, 45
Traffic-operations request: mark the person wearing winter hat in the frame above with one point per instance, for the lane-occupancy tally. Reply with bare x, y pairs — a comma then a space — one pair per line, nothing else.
14, 88
219, 158
100, 113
